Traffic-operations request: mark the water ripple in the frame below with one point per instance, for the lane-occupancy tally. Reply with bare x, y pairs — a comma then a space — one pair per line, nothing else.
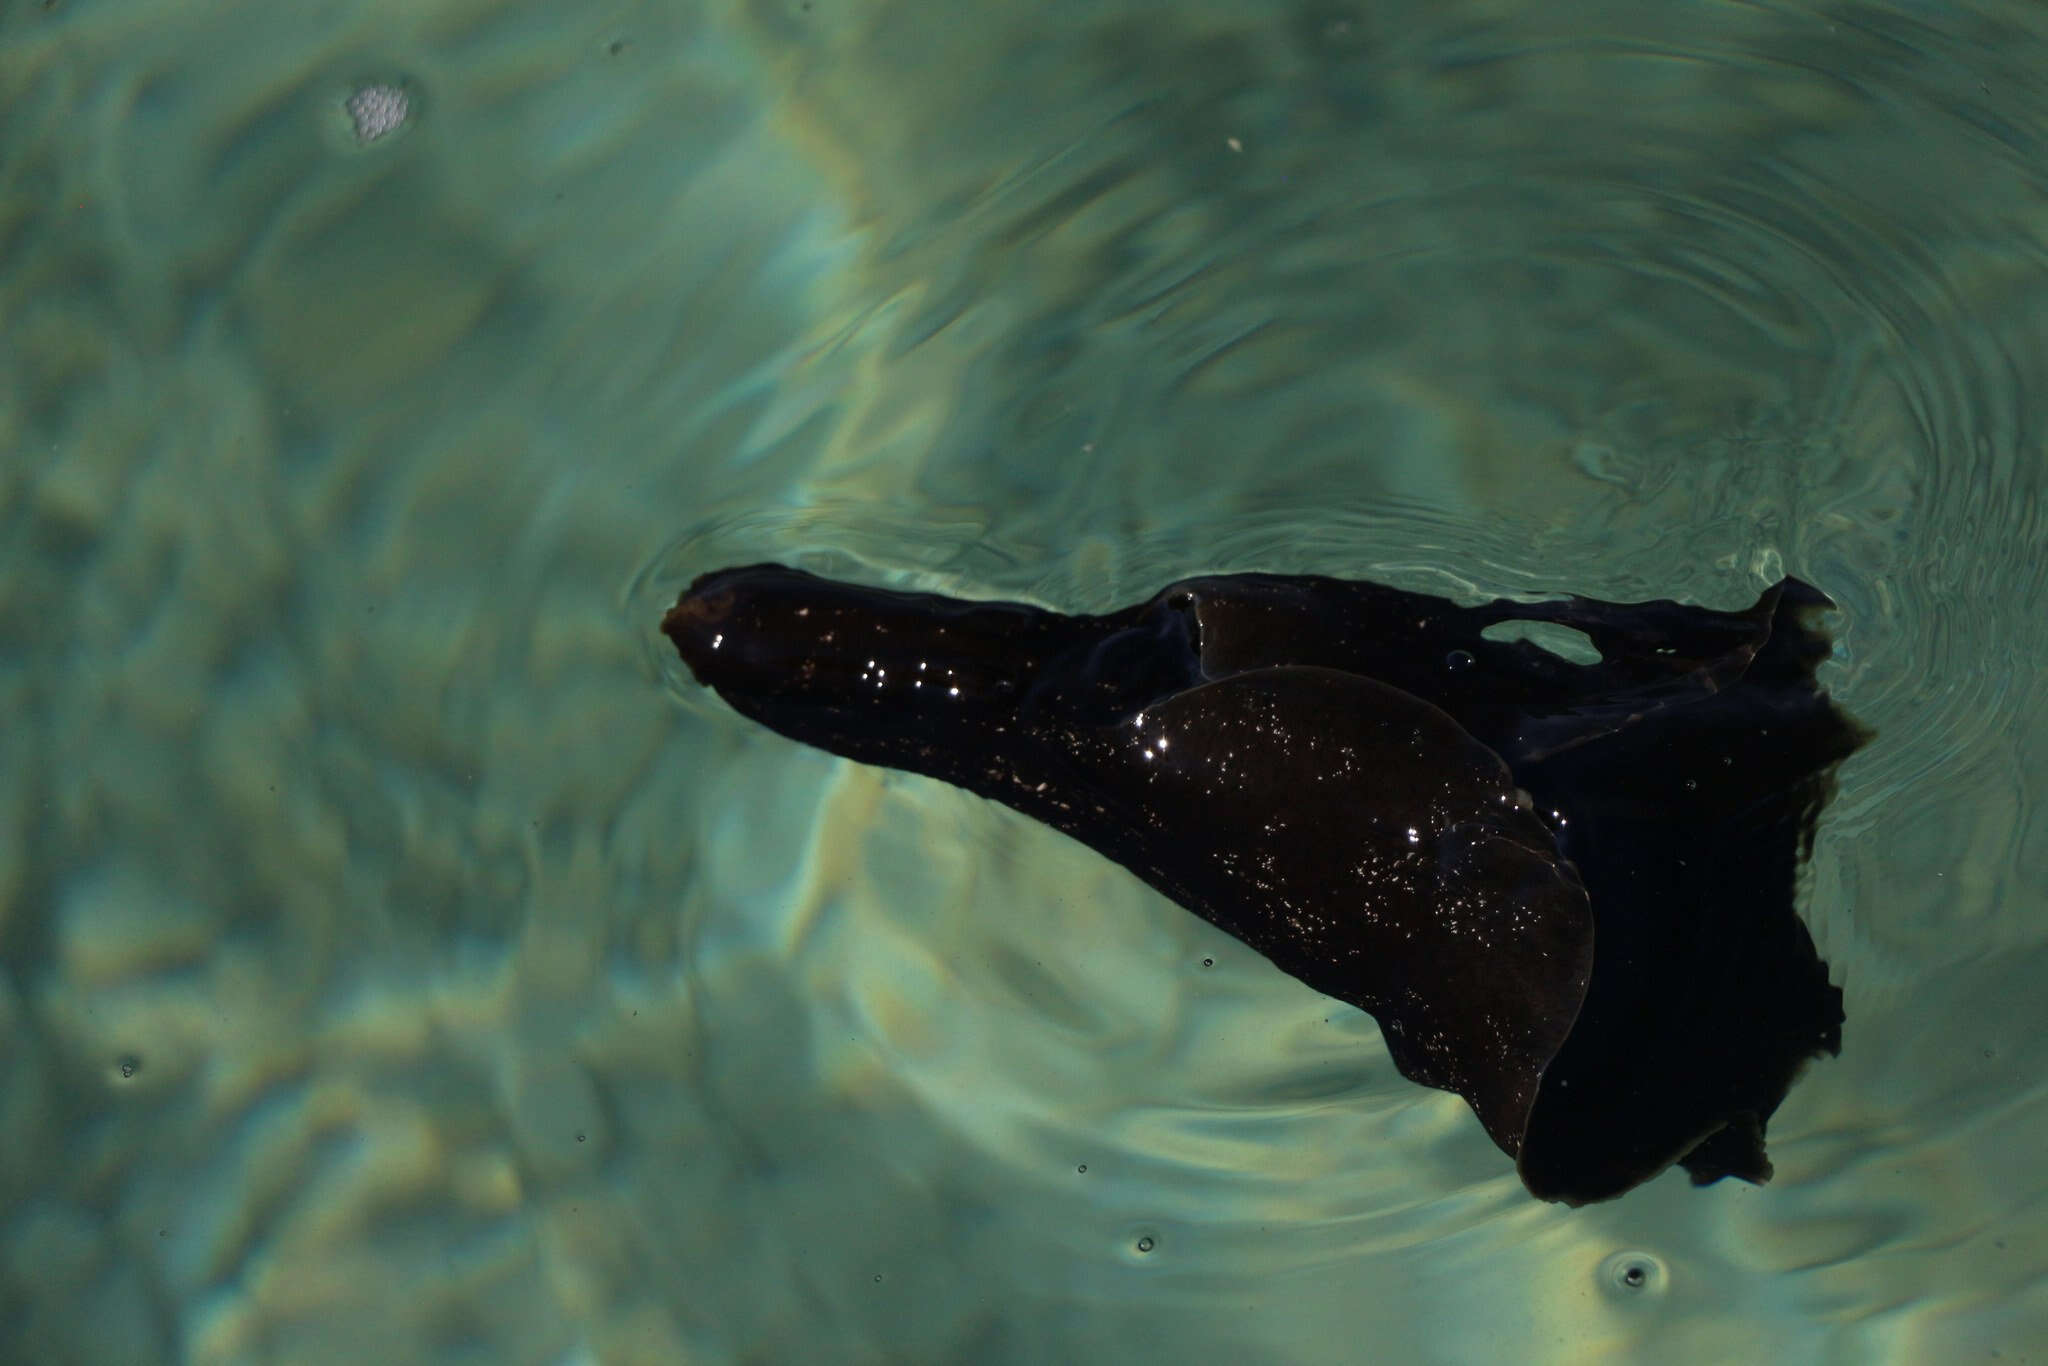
1632, 305
403, 984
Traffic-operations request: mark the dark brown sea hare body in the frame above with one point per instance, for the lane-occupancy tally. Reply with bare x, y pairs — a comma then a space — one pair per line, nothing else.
1564, 890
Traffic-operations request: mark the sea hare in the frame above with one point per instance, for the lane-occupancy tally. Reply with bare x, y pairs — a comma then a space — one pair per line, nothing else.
1564, 889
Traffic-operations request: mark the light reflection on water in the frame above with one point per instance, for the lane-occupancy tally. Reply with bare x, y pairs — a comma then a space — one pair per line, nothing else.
394, 970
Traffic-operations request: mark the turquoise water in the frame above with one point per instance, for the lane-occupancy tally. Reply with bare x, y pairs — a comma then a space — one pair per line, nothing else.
402, 965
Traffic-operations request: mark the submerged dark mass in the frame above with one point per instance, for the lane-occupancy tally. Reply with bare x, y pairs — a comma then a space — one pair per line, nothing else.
1565, 890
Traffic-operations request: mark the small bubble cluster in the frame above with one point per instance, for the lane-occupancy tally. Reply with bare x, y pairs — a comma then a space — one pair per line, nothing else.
378, 111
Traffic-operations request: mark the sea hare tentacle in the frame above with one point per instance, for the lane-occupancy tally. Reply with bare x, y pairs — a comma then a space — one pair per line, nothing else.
1565, 890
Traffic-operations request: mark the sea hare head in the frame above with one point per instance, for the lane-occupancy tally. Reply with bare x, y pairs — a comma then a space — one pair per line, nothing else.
778, 635
1564, 889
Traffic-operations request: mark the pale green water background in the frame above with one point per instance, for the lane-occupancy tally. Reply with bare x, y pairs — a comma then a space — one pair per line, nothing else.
400, 966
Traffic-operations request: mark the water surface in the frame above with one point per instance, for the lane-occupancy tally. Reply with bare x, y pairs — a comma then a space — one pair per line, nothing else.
397, 963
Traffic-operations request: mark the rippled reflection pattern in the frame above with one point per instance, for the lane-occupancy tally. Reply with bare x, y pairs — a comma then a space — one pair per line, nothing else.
347, 874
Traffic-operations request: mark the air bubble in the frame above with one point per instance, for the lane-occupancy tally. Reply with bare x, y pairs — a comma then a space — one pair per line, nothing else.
1633, 1273
1457, 661
378, 111
129, 1066
1145, 1243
